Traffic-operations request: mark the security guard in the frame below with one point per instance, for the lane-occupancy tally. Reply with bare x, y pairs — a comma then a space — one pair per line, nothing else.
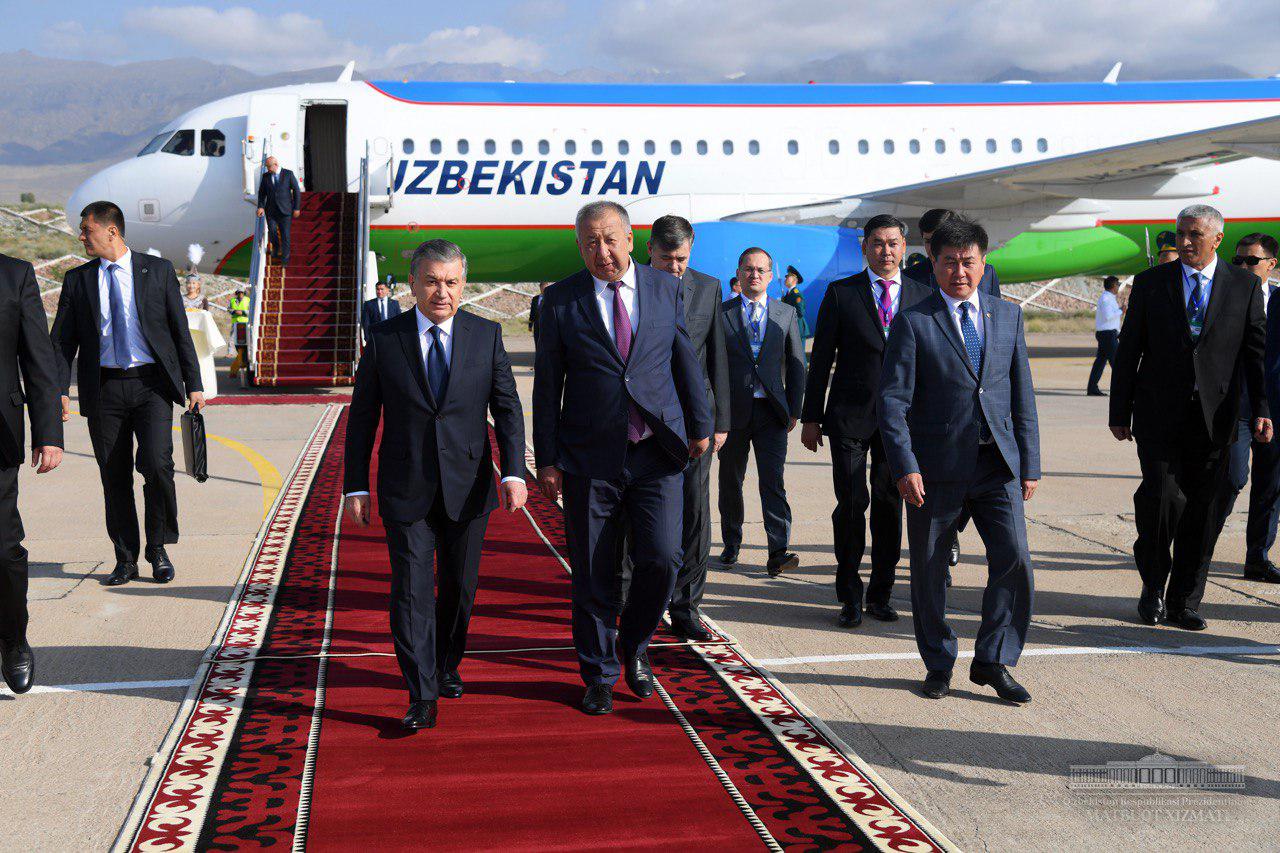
791, 296
1166, 247
238, 308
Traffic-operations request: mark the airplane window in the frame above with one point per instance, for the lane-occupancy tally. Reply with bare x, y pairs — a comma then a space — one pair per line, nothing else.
991, 146
914, 145
435, 146
1016, 145
407, 146
728, 147
863, 146
183, 143
544, 147
517, 147
1042, 145
940, 146
793, 147
570, 147
490, 147
597, 147
833, 146
463, 146
212, 143
624, 147
154, 145
676, 148
702, 146
753, 147
649, 147
965, 146
888, 146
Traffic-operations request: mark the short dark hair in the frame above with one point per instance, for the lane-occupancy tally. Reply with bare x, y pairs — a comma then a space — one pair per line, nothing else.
755, 250
670, 232
1257, 238
1110, 283
105, 213
883, 220
957, 232
935, 217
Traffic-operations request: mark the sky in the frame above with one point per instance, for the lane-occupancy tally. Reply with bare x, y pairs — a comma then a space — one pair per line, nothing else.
704, 39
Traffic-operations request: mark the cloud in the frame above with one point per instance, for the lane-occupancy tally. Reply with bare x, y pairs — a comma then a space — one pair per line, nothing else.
71, 39
468, 44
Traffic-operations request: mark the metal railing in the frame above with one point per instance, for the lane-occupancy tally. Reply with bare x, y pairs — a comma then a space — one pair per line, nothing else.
257, 270
362, 254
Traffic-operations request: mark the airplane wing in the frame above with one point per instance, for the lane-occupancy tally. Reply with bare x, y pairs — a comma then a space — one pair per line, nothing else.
1153, 168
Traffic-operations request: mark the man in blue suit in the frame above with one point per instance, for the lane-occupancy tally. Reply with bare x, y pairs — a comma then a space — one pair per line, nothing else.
378, 309
619, 408
958, 416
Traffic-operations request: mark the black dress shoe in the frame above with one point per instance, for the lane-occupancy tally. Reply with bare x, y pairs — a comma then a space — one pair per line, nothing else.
693, 631
598, 700
995, 675
122, 574
640, 676
784, 562
1096, 392
954, 559
1150, 605
1187, 619
450, 684
883, 612
937, 683
729, 557
850, 616
19, 665
1265, 572
422, 715
161, 568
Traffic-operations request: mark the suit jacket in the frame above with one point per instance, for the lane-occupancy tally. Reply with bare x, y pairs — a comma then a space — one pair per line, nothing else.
1158, 365
922, 271
1272, 359
28, 368
702, 318
849, 333
431, 446
533, 313
285, 198
932, 403
780, 367
369, 313
77, 328
582, 389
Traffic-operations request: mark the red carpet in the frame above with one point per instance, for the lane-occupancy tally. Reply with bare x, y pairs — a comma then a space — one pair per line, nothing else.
725, 761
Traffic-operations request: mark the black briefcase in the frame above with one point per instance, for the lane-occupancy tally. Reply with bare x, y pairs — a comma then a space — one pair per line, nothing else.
195, 451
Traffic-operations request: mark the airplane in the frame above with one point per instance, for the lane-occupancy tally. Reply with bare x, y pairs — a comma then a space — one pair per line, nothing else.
1069, 178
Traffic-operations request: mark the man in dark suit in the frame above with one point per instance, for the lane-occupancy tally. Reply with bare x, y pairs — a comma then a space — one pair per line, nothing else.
378, 309
619, 407
766, 388
670, 244
123, 314
28, 375
280, 200
1194, 332
430, 375
958, 416
853, 324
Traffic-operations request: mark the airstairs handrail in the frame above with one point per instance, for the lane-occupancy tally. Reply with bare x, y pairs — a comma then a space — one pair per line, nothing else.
257, 272
362, 254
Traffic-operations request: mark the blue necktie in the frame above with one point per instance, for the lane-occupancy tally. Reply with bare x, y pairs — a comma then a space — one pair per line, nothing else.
437, 369
1195, 305
756, 327
972, 345
119, 321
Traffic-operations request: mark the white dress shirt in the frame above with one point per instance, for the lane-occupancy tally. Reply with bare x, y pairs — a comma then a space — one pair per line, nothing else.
383, 307
1268, 287
894, 283
424, 346
758, 390
975, 314
1188, 280
1109, 313
604, 299
139, 352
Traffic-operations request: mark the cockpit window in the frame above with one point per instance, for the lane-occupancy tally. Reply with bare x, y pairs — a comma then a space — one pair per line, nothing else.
212, 143
154, 145
183, 143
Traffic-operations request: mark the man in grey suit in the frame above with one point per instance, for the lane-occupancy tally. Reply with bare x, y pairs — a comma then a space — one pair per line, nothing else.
958, 416
766, 388
670, 244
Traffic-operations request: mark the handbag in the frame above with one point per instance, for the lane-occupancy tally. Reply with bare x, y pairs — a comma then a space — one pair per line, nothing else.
195, 450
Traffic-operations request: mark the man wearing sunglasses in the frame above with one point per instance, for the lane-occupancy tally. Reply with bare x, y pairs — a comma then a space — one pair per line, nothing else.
1257, 254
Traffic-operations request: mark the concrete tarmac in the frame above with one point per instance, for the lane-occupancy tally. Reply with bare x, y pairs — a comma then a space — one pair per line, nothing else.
988, 775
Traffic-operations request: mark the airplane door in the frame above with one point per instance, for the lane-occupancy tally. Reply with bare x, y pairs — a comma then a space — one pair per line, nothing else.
271, 131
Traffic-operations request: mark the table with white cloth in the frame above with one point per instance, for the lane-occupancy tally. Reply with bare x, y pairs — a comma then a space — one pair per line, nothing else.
207, 340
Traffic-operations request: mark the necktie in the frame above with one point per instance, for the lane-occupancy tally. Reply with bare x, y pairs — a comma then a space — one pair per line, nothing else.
622, 339
1195, 305
437, 368
119, 319
886, 305
757, 327
972, 345
382, 309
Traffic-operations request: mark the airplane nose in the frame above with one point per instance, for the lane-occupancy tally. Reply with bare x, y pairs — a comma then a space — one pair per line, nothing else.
96, 188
